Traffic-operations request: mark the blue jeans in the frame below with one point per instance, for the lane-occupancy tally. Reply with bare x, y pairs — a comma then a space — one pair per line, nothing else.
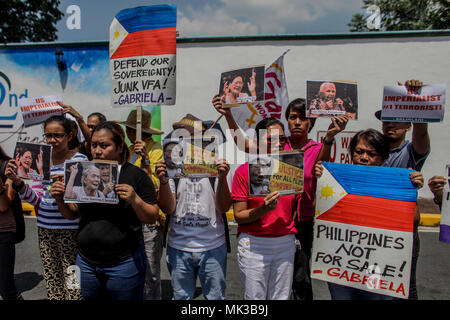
123, 281
210, 266
339, 292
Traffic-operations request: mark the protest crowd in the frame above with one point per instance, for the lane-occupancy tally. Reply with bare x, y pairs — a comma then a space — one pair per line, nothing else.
110, 208
118, 247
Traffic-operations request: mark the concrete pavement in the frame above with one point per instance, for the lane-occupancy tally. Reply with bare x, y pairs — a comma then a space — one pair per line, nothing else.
433, 274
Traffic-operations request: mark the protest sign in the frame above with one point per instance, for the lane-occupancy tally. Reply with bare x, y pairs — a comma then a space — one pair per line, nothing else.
243, 85
339, 150
363, 232
276, 99
33, 160
331, 98
91, 181
143, 56
444, 233
281, 172
425, 105
190, 158
37, 110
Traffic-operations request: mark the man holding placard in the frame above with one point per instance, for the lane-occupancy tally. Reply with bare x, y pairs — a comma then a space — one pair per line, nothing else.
407, 154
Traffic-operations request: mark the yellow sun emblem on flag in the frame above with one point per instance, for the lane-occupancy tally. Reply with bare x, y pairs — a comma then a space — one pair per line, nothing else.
326, 192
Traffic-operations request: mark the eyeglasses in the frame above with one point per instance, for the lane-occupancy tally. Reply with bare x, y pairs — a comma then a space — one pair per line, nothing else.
56, 136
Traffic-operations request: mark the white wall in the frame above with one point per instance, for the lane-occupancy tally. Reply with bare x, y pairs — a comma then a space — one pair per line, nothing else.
372, 63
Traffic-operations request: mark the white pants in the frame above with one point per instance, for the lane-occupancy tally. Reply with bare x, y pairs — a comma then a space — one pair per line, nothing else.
266, 266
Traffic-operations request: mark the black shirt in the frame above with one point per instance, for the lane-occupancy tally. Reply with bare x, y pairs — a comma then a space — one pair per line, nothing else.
111, 233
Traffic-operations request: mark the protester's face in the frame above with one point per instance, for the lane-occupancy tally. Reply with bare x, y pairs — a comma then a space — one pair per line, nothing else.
92, 122
26, 160
173, 155
366, 155
57, 137
104, 173
327, 91
274, 139
298, 125
236, 85
395, 130
103, 146
258, 171
92, 180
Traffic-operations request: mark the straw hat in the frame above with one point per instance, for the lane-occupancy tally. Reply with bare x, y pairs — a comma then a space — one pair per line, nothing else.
190, 123
146, 122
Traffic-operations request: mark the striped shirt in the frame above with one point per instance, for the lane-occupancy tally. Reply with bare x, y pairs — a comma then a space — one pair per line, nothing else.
39, 196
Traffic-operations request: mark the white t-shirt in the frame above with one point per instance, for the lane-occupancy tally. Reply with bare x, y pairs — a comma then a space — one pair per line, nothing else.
196, 226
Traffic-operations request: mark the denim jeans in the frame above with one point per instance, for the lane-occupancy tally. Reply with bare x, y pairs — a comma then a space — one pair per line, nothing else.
124, 281
210, 266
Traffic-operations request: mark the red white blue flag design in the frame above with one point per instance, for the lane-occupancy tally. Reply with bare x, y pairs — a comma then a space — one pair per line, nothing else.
142, 53
364, 228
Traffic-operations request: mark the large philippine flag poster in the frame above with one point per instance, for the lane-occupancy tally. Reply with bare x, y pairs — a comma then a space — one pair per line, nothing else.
142, 50
363, 231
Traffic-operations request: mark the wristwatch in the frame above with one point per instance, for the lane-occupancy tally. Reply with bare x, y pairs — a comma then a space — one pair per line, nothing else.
328, 143
147, 162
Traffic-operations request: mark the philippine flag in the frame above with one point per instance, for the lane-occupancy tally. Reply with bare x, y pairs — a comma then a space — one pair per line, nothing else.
142, 50
364, 228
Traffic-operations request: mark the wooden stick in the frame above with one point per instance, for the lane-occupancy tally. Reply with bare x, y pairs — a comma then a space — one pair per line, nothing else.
212, 126
139, 123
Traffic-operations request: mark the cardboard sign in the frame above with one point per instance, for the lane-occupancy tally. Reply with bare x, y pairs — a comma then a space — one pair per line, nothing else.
425, 105
143, 56
241, 86
331, 98
281, 172
37, 110
363, 232
33, 160
91, 181
195, 158
340, 148
275, 102
444, 234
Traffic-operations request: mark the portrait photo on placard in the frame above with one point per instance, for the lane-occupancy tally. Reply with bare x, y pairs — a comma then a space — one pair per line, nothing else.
33, 160
174, 152
260, 170
331, 98
91, 181
240, 86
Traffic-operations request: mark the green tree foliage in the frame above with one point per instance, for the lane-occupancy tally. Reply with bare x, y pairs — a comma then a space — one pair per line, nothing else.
405, 15
29, 20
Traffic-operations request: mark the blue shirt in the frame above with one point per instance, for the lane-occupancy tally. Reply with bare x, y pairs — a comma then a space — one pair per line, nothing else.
405, 157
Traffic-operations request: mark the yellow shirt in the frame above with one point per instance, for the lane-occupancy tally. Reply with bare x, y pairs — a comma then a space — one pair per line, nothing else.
155, 154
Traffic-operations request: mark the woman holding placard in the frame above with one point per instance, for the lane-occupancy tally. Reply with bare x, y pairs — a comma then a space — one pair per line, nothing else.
111, 254
57, 236
266, 229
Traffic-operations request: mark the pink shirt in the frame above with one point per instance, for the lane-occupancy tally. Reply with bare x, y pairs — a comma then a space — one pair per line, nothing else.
305, 209
277, 222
